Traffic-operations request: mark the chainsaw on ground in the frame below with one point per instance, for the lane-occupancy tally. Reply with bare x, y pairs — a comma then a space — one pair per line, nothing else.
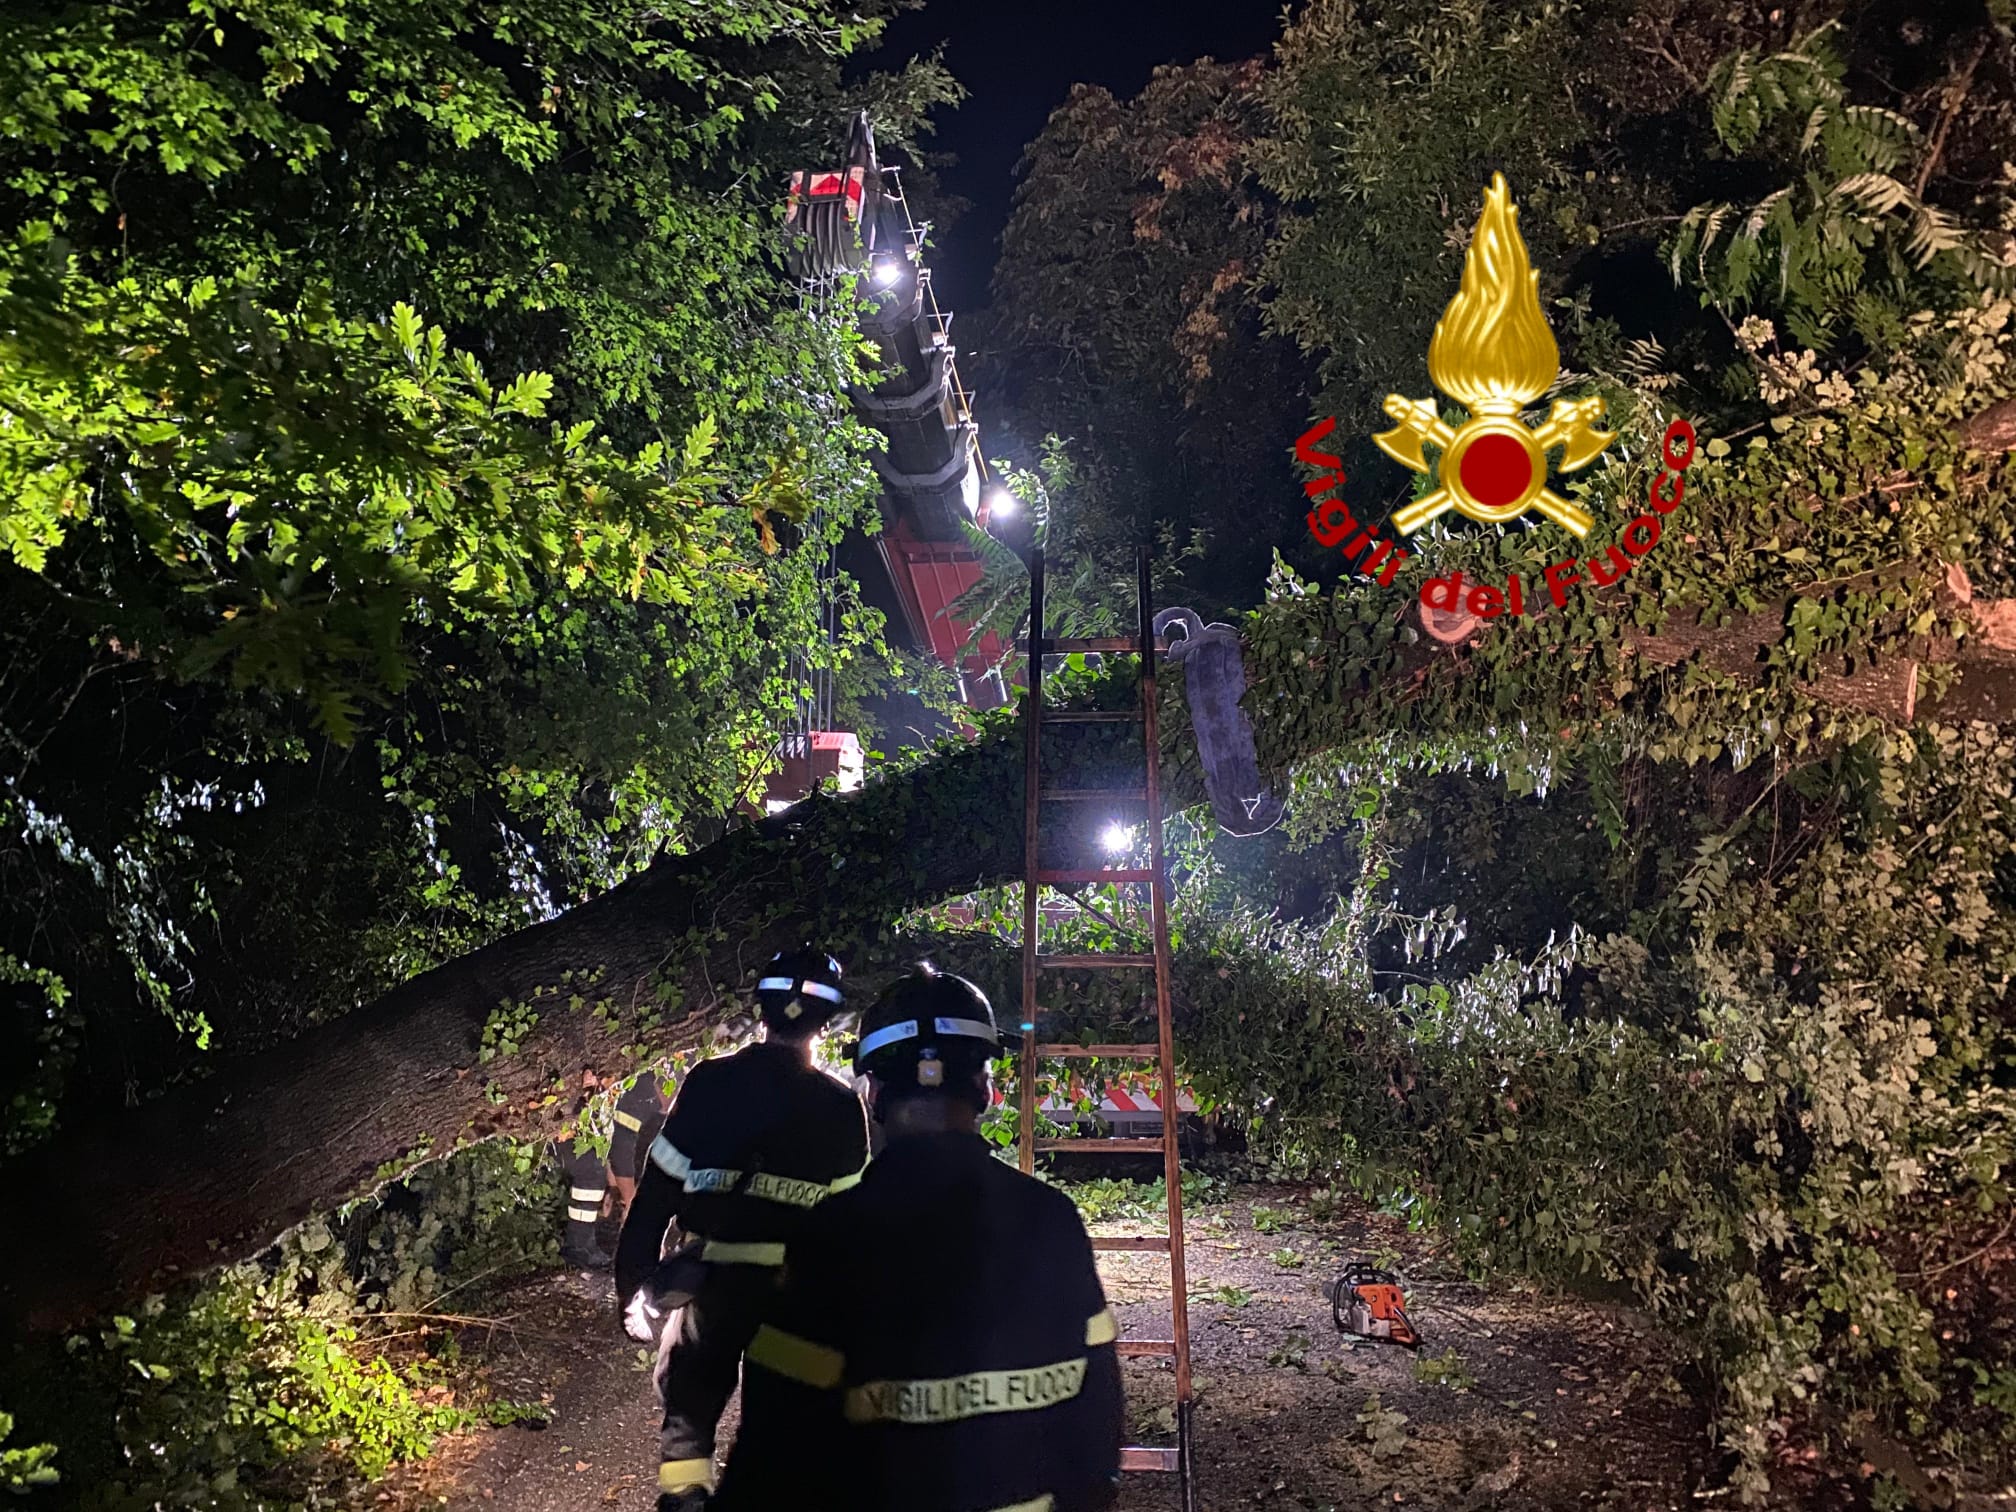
1368, 1301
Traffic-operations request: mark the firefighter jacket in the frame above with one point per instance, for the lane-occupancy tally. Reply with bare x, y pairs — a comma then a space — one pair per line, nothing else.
637, 1117
753, 1143
941, 1343
638, 1109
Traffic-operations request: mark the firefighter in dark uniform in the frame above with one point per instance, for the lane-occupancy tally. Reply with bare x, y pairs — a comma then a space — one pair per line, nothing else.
941, 1342
639, 1114
589, 1176
754, 1142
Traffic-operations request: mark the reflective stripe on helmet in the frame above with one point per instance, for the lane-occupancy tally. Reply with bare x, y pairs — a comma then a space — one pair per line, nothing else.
964, 1028
629, 1121
970, 1028
806, 989
889, 1035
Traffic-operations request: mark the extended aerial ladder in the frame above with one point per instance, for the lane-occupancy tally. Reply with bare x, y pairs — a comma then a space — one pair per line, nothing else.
1036, 876
852, 225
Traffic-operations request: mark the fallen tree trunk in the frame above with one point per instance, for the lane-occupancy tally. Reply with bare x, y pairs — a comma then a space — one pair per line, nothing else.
1984, 687
211, 1172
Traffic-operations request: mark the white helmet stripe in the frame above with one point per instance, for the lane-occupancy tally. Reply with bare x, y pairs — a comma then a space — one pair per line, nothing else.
807, 989
870, 1043
971, 1028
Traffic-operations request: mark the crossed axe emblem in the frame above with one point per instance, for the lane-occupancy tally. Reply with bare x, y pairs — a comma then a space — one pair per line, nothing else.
1493, 467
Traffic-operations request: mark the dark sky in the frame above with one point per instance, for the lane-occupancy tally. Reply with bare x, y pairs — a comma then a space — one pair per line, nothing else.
1018, 59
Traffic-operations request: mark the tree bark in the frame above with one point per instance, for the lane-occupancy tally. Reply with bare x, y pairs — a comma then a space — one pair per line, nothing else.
212, 1172
1985, 688
1993, 430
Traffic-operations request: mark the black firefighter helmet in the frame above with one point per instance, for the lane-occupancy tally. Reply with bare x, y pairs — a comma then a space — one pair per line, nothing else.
928, 1031
799, 990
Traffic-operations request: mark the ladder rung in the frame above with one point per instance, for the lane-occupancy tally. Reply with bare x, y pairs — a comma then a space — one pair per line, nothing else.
1138, 1457
1106, 962
1100, 1146
1103, 645
1089, 716
1093, 795
1154, 1348
1100, 1052
1131, 1242
1108, 874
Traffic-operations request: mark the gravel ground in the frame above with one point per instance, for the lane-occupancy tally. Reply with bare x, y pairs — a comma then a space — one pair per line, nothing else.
1515, 1401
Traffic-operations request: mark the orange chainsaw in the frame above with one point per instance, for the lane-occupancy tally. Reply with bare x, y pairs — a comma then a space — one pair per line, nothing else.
1368, 1301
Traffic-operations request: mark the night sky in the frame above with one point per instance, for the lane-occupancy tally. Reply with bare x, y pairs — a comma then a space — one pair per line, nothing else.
1018, 59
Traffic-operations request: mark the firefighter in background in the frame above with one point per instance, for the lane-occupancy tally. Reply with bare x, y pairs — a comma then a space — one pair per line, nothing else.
941, 1342
590, 1177
754, 1142
639, 1114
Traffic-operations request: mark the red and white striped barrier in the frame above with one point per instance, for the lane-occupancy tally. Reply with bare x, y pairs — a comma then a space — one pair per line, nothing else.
1124, 1100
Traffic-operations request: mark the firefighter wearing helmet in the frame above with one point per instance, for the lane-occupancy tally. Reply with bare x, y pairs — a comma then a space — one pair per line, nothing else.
754, 1142
941, 1342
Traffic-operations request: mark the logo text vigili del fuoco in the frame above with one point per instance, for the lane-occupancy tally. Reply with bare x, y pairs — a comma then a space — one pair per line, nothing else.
1493, 353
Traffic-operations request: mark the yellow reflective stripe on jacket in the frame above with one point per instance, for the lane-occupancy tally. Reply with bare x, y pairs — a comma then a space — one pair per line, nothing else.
587, 1194
789, 1190
786, 1190
955, 1397
686, 1475
729, 1252
1044, 1503
668, 1158
798, 1359
584, 1215
1101, 1328
843, 1184
629, 1121
710, 1179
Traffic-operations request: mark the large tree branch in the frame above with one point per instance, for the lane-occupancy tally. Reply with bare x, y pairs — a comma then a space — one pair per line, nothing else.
211, 1172
1984, 689
1993, 430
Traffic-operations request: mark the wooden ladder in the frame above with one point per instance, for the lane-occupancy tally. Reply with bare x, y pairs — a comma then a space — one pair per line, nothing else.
1176, 1347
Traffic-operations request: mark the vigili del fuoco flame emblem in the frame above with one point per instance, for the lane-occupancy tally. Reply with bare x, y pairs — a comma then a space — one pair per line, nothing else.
1492, 353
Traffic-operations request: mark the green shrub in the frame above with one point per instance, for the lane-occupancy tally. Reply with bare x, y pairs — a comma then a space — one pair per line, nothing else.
25, 1469
318, 1365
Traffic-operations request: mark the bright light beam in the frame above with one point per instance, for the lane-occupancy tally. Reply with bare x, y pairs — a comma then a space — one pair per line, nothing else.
886, 271
1117, 838
1001, 504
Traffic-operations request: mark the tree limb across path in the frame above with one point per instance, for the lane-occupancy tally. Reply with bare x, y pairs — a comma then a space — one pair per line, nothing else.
211, 1172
